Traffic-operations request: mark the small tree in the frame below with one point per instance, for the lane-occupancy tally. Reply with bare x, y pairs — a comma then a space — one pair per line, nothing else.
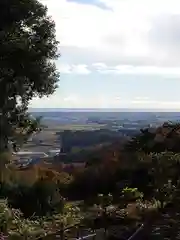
132, 194
27, 127
105, 201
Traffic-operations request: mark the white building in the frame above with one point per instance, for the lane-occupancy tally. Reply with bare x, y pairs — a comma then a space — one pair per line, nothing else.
27, 155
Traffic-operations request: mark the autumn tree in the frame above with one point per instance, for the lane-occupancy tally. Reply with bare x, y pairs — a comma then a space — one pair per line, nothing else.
28, 48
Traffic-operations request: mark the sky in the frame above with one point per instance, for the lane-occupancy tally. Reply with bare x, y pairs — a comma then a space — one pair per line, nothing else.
116, 54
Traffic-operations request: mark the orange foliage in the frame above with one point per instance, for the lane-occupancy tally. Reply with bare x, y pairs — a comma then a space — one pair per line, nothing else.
26, 176
30, 175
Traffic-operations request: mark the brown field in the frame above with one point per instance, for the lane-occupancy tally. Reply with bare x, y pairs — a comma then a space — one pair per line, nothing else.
50, 139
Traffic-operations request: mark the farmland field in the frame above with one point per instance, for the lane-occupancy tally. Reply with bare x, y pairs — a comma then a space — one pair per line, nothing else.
74, 127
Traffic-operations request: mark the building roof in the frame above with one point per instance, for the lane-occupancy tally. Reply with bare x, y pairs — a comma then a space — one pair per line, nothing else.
29, 154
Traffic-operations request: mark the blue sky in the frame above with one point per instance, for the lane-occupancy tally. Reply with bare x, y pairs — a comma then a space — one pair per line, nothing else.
116, 54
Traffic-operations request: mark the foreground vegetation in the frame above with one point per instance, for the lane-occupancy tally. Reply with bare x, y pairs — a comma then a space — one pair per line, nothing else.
118, 187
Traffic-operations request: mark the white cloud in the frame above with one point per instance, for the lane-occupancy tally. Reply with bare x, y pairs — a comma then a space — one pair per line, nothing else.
155, 103
71, 98
100, 66
151, 102
55, 101
74, 101
101, 101
130, 69
103, 68
75, 24
80, 69
64, 68
149, 7
127, 32
73, 69
142, 98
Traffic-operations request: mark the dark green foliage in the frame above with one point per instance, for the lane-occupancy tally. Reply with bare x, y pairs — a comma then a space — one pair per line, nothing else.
26, 127
28, 47
162, 139
40, 199
141, 142
85, 139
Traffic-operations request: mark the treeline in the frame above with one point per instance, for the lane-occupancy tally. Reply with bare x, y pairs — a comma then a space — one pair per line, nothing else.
147, 158
84, 139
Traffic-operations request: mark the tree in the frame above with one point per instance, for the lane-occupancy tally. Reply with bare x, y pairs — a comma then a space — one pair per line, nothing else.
164, 138
27, 127
28, 48
141, 142
164, 171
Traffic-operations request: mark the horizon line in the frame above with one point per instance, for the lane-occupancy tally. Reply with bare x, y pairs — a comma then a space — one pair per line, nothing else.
105, 109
